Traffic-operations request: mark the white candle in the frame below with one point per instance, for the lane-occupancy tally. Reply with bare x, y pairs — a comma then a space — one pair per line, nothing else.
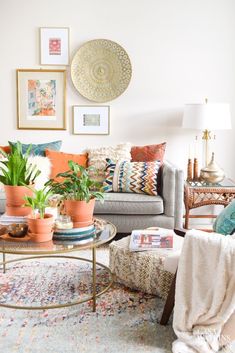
190, 151
196, 148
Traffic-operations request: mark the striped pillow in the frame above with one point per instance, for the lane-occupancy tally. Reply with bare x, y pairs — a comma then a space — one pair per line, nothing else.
137, 177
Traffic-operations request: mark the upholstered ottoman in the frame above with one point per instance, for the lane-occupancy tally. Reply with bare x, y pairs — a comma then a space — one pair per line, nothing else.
143, 270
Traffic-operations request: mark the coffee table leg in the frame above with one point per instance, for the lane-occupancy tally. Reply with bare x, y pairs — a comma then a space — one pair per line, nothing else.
4, 262
94, 277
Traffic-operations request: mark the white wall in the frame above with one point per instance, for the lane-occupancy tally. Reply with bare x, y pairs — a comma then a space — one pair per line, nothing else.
181, 51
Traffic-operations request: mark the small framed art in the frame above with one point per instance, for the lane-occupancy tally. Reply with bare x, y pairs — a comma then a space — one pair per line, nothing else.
41, 99
91, 120
54, 46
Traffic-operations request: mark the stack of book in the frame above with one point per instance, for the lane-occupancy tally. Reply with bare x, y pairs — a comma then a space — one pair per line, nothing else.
75, 233
7, 220
149, 239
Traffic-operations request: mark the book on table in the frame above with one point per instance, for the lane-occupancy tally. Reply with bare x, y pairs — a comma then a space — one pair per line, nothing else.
7, 220
151, 239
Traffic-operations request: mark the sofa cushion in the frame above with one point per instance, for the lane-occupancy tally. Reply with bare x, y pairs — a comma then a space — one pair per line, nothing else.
59, 162
137, 177
97, 158
129, 203
148, 153
39, 149
6, 149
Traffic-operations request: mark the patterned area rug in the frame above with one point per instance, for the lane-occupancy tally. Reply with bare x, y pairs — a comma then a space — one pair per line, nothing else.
124, 321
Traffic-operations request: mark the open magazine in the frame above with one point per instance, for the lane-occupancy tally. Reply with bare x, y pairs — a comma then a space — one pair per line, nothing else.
148, 239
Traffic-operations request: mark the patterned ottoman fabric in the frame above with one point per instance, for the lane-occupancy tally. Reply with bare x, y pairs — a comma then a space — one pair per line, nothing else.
140, 270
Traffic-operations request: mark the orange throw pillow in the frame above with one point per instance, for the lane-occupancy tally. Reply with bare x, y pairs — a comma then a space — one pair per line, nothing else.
6, 149
149, 153
59, 161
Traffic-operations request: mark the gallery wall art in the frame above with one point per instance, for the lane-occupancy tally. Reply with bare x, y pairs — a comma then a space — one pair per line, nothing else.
54, 46
91, 120
41, 99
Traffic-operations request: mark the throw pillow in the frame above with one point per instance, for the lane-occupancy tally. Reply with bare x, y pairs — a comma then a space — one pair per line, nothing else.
59, 161
137, 177
149, 153
225, 222
6, 149
97, 158
39, 149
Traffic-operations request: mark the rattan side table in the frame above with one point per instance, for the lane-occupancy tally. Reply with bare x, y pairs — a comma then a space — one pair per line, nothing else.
199, 194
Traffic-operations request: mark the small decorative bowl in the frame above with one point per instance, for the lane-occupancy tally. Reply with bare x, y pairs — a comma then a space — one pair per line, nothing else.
18, 230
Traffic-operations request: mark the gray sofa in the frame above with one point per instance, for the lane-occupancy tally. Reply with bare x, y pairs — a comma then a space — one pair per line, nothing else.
130, 211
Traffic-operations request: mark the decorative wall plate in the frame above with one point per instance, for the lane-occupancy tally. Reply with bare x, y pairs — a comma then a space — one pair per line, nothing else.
101, 70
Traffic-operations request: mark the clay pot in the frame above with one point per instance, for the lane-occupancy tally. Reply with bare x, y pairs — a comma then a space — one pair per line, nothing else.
15, 200
81, 212
40, 230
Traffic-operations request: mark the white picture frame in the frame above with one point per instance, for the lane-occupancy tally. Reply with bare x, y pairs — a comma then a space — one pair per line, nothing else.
54, 45
91, 120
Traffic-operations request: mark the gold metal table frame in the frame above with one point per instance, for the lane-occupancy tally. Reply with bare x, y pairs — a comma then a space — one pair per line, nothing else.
53, 249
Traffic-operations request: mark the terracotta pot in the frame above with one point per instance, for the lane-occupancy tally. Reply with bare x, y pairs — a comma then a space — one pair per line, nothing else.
40, 230
41, 238
15, 200
81, 212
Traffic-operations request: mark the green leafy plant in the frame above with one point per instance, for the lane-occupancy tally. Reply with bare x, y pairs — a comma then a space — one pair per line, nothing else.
39, 201
76, 184
15, 169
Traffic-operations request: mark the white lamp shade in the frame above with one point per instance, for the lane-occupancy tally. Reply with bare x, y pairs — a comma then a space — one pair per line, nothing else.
207, 116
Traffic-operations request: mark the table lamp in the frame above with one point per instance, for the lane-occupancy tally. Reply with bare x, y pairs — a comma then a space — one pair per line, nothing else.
207, 117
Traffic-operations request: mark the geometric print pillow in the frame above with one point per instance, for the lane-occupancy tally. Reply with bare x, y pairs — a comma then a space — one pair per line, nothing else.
137, 177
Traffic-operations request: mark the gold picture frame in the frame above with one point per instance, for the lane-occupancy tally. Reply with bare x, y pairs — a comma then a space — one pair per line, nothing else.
41, 99
91, 119
54, 45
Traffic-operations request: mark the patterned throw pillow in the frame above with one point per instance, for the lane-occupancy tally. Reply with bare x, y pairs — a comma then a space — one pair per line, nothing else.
149, 153
39, 149
137, 177
225, 222
97, 158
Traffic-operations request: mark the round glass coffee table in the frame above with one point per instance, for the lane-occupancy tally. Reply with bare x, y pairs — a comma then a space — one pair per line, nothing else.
53, 249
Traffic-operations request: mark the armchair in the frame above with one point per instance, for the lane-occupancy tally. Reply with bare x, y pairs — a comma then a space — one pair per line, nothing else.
204, 314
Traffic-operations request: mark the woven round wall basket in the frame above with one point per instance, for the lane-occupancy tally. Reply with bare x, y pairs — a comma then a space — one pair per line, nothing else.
101, 70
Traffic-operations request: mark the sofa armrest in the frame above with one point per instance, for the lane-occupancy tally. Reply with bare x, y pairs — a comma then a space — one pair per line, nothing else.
172, 192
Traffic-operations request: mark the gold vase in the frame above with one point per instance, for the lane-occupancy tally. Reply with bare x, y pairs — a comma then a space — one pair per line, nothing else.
212, 174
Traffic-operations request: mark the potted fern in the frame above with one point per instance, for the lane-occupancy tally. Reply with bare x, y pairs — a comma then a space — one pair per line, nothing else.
79, 193
40, 223
16, 174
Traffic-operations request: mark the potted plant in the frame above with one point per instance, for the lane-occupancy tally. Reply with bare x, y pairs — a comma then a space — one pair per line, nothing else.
79, 194
40, 223
16, 174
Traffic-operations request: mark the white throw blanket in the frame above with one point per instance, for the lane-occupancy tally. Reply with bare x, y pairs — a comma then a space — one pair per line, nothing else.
205, 292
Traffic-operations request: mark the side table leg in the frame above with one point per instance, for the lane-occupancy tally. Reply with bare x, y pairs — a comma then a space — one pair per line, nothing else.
186, 218
4, 262
94, 277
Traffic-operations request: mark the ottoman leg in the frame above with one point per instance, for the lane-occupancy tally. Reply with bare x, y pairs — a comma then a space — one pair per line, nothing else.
169, 305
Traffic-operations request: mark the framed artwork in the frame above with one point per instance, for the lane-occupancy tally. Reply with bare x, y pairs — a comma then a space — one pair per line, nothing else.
41, 99
91, 120
54, 46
